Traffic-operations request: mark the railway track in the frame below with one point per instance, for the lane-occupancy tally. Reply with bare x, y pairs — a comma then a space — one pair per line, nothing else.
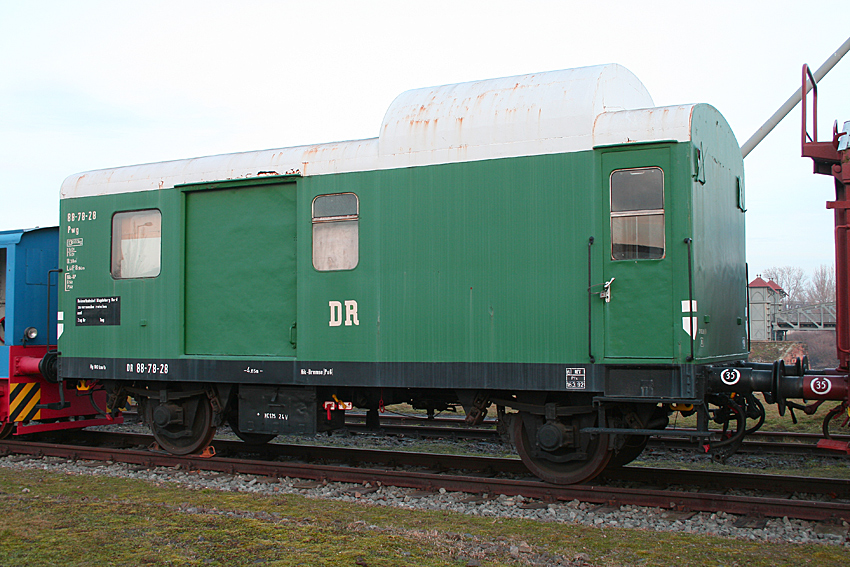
760, 442
780, 496
767, 442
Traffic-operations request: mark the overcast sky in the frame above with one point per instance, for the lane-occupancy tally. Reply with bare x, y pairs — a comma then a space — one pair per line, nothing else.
87, 85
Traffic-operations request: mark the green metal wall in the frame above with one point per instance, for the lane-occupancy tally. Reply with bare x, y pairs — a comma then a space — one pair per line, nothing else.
461, 262
720, 279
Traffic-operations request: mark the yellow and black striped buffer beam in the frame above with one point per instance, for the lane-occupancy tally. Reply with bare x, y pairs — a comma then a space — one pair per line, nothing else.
23, 400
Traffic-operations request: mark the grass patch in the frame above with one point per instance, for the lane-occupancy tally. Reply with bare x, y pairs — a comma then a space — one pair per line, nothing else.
59, 519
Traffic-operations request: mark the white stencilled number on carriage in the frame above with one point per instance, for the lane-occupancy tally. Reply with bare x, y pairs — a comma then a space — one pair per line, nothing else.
350, 313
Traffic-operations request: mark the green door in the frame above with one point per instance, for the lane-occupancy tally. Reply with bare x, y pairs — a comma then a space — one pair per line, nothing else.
637, 312
240, 270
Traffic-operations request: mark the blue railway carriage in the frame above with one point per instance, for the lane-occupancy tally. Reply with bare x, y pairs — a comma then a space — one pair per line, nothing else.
32, 400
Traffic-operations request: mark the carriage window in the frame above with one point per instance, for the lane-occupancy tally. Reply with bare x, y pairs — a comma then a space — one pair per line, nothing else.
136, 244
336, 222
637, 214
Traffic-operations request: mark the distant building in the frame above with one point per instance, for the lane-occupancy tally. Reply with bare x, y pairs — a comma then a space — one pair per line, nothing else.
765, 301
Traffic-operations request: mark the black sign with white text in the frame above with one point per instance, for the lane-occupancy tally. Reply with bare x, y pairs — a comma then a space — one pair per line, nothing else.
98, 311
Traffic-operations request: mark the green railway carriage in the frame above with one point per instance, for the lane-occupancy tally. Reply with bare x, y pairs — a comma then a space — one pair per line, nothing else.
552, 244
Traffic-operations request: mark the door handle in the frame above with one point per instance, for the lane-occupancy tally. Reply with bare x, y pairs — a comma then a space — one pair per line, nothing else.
606, 291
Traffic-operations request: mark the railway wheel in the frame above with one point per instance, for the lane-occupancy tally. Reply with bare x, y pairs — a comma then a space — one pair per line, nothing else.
640, 417
566, 464
181, 426
6, 430
249, 438
631, 450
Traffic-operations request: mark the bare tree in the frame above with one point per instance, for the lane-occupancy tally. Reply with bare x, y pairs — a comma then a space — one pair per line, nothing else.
820, 345
821, 286
792, 280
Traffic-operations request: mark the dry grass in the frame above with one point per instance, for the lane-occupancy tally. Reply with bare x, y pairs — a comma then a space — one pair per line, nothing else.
56, 519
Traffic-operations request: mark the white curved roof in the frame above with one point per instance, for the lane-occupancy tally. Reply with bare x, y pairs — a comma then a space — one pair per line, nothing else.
540, 113
167, 174
523, 115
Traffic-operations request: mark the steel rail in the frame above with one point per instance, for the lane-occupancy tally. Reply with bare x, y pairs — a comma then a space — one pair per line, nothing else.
496, 465
611, 496
758, 442
725, 480
493, 465
350, 455
455, 428
430, 481
458, 422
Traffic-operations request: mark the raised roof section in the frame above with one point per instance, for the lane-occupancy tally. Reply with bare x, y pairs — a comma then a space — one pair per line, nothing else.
539, 113
523, 115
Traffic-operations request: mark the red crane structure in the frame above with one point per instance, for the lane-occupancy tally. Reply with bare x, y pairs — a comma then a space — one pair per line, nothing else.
833, 158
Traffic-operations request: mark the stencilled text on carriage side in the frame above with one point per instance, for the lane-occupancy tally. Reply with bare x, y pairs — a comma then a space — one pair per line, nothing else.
320, 372
71, 264
146, 368
280, 416
576, 379
78, 216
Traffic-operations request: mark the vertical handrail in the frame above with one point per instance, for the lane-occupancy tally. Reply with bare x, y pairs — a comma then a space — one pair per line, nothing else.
749, 327
589, 303
58, 271
842, 345
693, 314
807, 74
